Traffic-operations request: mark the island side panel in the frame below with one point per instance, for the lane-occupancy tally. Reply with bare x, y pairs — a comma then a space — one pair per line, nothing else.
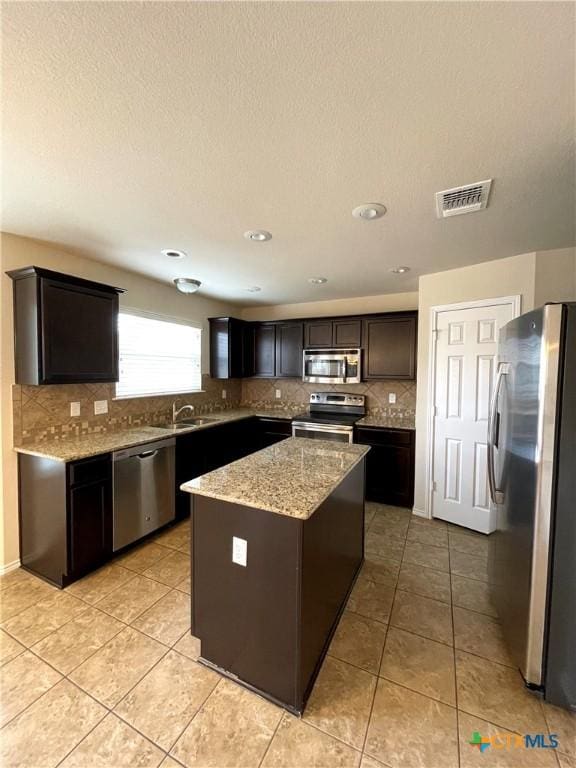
246, 616
332, 554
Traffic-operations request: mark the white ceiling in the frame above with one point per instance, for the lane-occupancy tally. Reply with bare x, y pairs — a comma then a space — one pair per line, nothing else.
133, 127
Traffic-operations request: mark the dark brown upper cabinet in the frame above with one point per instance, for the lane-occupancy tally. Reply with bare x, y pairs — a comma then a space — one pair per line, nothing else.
264, 340
345, 332
66, 328
266, 350
389, 344
276, 350
230, 348
318, 333
289, 350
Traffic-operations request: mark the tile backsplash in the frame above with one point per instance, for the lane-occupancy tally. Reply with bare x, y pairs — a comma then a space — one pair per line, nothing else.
261, 393
43, 412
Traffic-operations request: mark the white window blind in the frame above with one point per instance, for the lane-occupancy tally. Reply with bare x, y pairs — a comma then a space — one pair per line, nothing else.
157, 356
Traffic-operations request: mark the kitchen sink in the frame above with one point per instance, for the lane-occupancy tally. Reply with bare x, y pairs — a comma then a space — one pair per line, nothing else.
187, 423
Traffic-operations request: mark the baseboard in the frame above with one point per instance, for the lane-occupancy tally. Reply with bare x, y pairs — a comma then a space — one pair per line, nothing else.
419, 513
4, 569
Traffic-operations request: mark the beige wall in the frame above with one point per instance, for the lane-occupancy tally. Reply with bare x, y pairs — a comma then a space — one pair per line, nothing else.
537, 277
391, 302
141, 293
555, 276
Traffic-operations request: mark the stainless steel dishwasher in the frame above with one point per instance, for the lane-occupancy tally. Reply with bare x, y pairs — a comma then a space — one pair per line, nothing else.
144, 492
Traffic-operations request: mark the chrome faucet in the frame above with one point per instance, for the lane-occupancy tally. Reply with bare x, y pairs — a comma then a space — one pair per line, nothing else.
176, 412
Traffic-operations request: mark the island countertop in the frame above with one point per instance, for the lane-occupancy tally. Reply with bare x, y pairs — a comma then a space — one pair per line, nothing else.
291, 478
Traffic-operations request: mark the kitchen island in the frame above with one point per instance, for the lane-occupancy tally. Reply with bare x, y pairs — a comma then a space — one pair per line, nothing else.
277, 543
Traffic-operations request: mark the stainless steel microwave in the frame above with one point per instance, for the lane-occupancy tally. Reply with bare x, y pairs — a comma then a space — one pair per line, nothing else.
332, 366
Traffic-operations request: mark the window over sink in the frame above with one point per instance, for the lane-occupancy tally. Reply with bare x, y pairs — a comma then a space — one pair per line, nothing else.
158, 355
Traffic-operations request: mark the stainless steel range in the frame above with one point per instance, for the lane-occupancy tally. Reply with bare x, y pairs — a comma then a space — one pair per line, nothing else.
331, 416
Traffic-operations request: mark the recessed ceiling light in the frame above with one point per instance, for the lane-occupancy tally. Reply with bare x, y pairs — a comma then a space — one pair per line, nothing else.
317, 280
253, 289
399, 270
187, 284
369, 211
257, 235
173, 253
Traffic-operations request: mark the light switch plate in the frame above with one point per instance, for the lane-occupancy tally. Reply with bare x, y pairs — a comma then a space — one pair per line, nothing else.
223, 394
100, 406
239, 551
392, 397
74, 409
278, 394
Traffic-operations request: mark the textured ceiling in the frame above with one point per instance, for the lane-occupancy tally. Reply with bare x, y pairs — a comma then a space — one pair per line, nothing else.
131, 127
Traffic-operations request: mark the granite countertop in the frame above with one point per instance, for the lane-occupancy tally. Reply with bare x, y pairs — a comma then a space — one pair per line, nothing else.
290, 478
74, 448
386, 422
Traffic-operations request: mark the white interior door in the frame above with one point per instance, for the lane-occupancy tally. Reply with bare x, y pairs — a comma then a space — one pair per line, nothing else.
466, 349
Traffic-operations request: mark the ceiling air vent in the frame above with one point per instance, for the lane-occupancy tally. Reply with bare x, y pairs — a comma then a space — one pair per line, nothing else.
467, 199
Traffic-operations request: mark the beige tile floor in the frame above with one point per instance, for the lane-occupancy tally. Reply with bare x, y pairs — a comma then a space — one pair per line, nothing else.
105, 673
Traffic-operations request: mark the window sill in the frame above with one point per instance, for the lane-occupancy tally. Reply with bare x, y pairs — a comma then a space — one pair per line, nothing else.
160, 394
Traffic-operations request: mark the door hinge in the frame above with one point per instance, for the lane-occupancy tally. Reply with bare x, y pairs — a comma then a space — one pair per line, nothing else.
434, 485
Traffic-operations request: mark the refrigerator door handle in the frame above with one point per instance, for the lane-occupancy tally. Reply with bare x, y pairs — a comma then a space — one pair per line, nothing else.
493, 434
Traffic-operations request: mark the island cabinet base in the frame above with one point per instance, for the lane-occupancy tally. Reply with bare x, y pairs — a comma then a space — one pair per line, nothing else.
268, 623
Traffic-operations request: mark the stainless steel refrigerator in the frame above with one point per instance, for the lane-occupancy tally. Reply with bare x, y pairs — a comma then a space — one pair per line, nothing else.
532, 477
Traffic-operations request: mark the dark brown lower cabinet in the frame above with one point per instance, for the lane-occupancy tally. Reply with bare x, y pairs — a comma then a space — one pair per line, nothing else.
208, 449
389, 464
89, 526
271, 431
268, 624
65, 516
191, 461
66, 509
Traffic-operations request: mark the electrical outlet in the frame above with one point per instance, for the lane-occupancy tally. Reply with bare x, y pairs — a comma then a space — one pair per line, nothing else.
223, 394
278, 394
239, 551
100, 406
74, 409
392, 397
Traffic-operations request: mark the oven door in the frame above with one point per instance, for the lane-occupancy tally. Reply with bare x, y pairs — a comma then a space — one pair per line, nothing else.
338, 434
